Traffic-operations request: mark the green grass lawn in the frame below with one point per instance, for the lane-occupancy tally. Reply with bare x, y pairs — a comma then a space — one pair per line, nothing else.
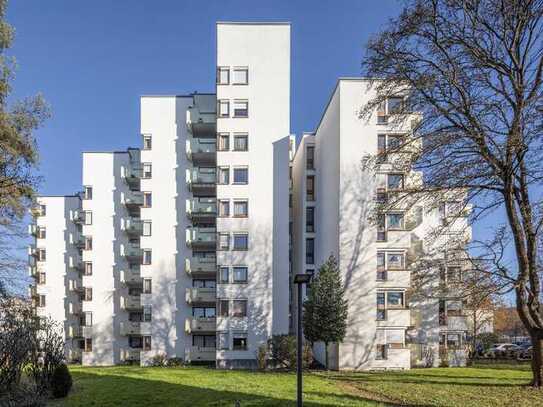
201, 386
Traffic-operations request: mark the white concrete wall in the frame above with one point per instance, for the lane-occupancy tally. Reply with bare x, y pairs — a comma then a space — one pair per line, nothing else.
265, 50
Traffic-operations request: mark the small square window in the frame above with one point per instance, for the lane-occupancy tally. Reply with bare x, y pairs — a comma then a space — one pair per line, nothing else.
381, 315
223, 142
147, 199
147, 142
147, 256
224, 208
241, 142
240, 76
147, 228
240, 274
87, 192
381, 353
395, 299
223, 75
241, 108
239, 308
223, 108
395, 261
241, 175
223, 242
241, 241
241, 208
223, 175
395, 221
239, 341
224, 275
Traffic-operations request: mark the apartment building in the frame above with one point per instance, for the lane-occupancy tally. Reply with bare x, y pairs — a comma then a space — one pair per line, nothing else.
335, 201
186, 247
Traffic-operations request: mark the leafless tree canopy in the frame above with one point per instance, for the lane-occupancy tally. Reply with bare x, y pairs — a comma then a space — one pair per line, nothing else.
473, 70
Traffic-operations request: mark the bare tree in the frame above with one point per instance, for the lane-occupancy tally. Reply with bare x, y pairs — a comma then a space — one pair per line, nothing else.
473, 71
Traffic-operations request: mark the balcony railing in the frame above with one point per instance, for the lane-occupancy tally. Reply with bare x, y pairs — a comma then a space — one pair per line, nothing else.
75, 331
131, 276
197, 353
129, 302
201, 295
201, 207
130, 354
75, 262
133, 252
33, 230
133, 199
133, 227
32, 271
75, 286
79, 217
194, 324
133, 175
75, 308
201, 237
201, 149
135, 328
201, 124
201, 178
201, 265
32, 291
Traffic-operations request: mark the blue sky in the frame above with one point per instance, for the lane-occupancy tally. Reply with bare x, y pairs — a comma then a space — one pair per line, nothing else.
93, 59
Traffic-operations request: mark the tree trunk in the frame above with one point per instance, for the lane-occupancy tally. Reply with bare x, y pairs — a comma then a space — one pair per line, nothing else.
326, 354
537, 369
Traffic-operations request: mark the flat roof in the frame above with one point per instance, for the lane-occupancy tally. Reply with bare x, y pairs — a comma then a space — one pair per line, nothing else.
178, 96
253, 23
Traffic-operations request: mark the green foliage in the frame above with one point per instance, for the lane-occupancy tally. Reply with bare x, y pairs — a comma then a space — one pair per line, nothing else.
262, 357
325, 310
283, 352
487, 339
61, 382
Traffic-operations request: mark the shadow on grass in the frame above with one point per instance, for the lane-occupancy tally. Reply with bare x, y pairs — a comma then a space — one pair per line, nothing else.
114, 390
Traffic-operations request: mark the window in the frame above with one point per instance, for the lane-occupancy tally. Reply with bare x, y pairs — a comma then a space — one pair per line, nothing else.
88, 217
147, 286
88, 345
147, 142
88, 268
146, 228
204, 341
239, 308
41, 232
88, 242
310, 187
381, 269
87, 192
241, 241
223, 177
240, 76
454, 274
241, 208
239, 341
41, 278
381, 228
223, 108
395, 299
146, 342
147, 199
240, 275
223, 75
224, 277
224, 241
147, 170
41, 254
395, 221
241, 142
241, 108
198, 283
241, 175
223, 340
310, 158
223, 142
135, 342
87, 294
310, 251
223, 308
310, 219
147, 256
147, 313
453, 341
395, 261
203, 312
224, 208
382, 146
381, 352
41, 301
395, 182
86, 319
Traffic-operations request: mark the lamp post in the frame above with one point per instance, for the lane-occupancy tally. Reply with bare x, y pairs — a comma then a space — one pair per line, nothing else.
300, 280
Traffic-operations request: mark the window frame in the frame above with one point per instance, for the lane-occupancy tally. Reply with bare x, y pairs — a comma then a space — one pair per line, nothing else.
240, 234
219, 241
223, 102
240, 113
240, 69
238, 202
147, 257
223, 136
221, 170
243, 313
241, 135
244, 281
221, 69
147, 199
147, 170
240, 168
147, 286
147, 142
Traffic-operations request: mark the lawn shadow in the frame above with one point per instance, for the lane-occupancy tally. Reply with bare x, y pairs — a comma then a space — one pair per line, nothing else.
115, 390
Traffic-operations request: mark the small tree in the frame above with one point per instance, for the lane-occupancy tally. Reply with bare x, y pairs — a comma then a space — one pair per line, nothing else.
325, 310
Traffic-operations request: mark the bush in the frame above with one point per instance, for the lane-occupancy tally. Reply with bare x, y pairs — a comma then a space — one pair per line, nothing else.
262, 357
175, 362
61, 381
283, 352
159, 360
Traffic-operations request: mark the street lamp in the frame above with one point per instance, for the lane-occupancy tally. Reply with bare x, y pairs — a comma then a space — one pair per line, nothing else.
300, 280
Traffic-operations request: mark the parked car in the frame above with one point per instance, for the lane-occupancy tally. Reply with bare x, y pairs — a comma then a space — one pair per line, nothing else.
526, 352
503, 350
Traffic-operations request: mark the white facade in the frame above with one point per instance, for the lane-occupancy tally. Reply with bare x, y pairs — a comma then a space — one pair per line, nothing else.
186, 247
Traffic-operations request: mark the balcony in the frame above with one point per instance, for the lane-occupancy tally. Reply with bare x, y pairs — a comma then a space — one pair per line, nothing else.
201, 123
33, 230
133, 175
86, 331
32, 291
396, 317
37, 210
79, 217
75, 262
131, 302
75, 286
33, 271
33, 251
133, 227
135, 328
77, 240
75, 355
202, 150
75, 308
133, 200
203, 209
398, 239
457, 323
201, 295
201, 266
201, 238
201, 179
74, 331
396, 279
195, 325
200, 354
131, 277
130, 354
133, 253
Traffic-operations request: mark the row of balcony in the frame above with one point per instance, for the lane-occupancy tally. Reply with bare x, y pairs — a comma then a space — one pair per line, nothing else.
192, 354
76, 331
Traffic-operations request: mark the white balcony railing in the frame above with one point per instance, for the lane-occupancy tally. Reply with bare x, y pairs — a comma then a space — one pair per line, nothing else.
201, 295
